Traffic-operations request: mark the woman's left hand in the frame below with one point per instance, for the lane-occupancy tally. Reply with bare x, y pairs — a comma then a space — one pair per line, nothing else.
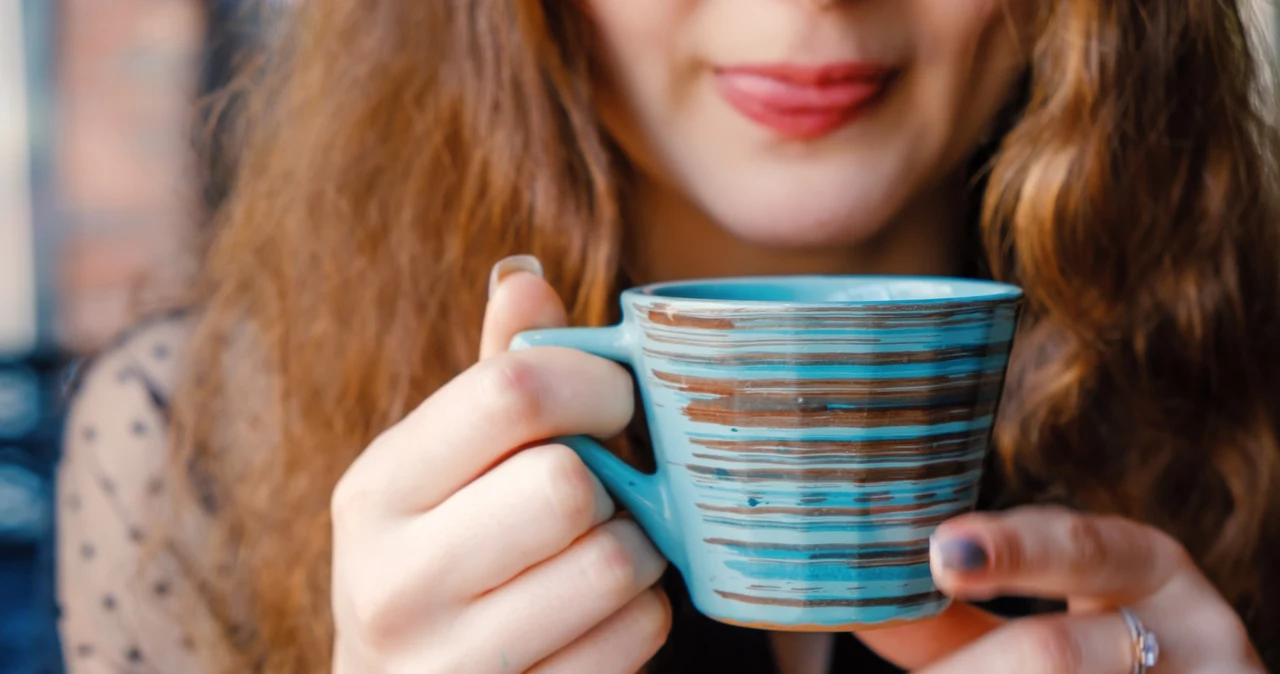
1098, 565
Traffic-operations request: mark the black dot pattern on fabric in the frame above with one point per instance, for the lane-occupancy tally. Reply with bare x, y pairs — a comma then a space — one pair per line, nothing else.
110, 483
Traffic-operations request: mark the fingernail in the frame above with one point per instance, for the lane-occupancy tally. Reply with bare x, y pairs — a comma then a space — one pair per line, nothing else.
510, 265
959, 555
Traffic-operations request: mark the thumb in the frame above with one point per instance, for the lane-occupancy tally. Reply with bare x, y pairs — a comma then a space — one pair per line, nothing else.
916, 644
519, 299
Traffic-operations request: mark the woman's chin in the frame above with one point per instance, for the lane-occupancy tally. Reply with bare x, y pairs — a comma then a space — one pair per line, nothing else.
793, 229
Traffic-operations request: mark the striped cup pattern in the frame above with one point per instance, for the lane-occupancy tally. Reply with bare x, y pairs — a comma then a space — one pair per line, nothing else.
810, 450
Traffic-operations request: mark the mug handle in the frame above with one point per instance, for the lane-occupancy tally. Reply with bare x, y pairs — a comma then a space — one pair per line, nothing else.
647, 497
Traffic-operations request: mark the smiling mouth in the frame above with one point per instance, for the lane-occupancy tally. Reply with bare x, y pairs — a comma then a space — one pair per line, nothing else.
803, 102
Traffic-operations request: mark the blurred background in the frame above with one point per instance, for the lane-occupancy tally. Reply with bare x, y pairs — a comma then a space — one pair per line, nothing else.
105, 183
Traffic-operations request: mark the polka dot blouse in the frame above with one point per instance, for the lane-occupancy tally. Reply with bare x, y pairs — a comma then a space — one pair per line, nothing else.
120, 600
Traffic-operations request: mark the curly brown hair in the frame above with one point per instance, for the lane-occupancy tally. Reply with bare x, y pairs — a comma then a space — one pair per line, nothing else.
396, 149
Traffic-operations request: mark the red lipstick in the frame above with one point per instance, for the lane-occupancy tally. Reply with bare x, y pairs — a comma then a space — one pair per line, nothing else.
802, 102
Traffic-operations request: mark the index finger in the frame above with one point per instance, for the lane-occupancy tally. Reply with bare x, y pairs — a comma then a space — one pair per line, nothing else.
481, 417
1097, 563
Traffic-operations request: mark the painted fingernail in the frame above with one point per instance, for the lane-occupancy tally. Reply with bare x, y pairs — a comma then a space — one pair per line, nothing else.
510, 265
959, 555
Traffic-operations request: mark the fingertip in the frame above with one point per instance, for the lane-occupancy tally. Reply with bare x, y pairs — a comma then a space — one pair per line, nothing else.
662, 597
958, 553
510, 265
606, 508
523, 289
521, 300
960, 564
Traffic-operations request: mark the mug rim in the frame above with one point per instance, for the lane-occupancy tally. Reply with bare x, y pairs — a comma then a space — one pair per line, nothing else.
991, 291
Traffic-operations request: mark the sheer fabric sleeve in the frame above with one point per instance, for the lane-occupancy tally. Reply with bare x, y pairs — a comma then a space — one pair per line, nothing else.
124, 607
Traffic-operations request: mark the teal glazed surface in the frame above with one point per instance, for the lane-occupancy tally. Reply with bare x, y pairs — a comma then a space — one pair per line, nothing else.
810, 434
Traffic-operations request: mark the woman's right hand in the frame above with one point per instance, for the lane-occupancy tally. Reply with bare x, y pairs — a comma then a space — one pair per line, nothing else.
462, 544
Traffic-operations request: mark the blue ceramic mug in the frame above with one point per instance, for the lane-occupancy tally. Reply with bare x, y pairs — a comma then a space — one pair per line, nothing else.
809, 434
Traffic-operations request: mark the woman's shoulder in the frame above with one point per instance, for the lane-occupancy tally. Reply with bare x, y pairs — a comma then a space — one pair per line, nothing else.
118, 602
147, 357
116, 432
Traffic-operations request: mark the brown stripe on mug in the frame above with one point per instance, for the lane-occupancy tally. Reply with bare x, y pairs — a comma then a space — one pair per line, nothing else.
799, 359
917, 543
942, 443
877, 475
788, 414
828, 511
871, 388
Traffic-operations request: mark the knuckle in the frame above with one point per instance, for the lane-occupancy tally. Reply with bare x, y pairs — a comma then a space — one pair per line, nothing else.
352, 500
611, 566
377, 614
570, 486
1158, 544
1049, 646
1151, 549
340, 502
1086, 544
345, 502
511, 386
372, 601
1009, 555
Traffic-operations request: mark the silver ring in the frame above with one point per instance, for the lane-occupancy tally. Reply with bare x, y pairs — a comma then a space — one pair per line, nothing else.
1146, 648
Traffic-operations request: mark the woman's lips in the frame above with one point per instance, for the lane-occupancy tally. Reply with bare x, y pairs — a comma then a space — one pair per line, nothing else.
802, 102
